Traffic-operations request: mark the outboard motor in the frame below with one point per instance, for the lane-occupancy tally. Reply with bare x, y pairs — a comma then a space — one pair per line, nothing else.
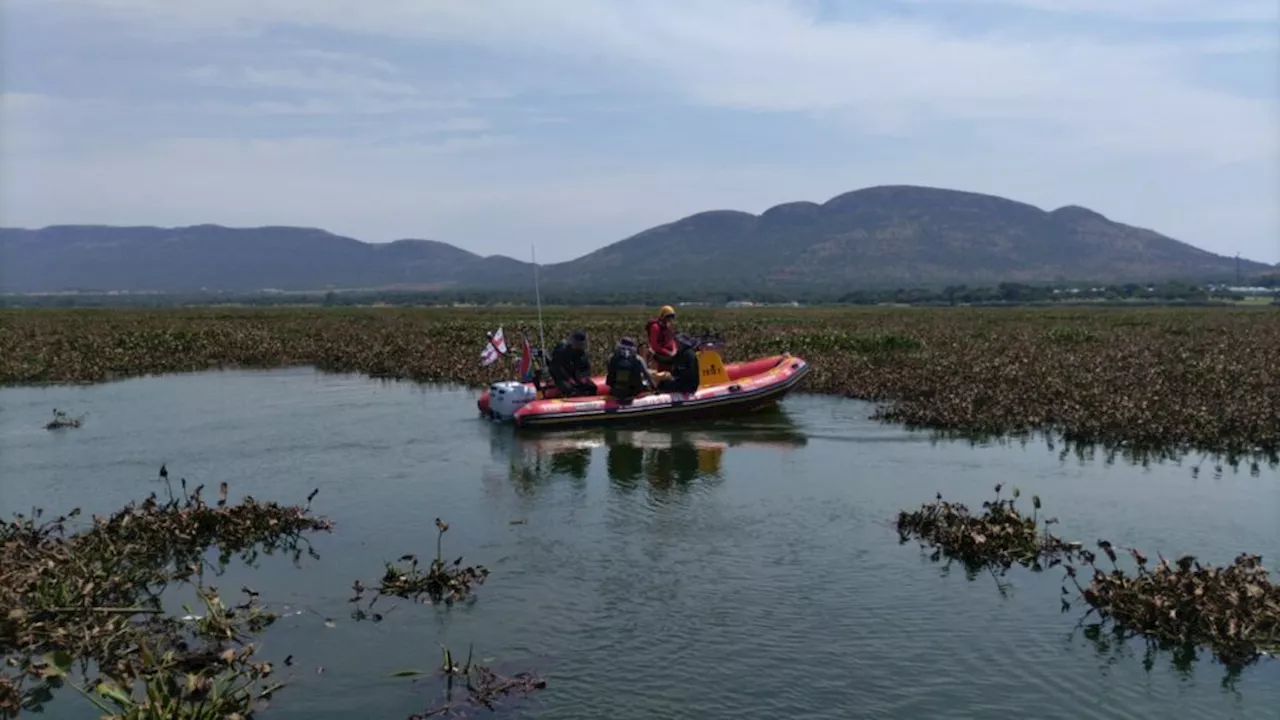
508, 396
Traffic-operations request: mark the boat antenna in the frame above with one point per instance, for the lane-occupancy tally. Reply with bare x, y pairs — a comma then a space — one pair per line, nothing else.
542, 337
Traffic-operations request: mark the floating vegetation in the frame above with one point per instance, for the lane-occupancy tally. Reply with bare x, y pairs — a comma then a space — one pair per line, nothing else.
193, 671
998, 538
1203, 379
441, 583
484, 687
445, 583
876, 344
62, 420
1234, 610
93, 598
83, 610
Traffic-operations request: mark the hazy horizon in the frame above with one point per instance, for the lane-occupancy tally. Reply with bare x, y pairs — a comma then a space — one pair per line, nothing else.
494, 124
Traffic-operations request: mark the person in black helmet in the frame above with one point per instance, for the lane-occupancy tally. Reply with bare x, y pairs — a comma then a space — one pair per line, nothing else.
628, 376
684, 369
570, 368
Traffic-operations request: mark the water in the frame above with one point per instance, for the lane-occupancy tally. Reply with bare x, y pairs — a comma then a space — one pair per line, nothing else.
740, 569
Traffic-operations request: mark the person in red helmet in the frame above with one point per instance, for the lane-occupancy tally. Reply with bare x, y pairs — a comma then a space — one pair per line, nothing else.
662, 338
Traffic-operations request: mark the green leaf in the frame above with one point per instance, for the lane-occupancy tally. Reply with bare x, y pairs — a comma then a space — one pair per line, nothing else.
59, 662
114, 694
271, 690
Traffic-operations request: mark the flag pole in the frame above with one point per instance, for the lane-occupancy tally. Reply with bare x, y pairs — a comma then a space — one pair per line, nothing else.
542, 337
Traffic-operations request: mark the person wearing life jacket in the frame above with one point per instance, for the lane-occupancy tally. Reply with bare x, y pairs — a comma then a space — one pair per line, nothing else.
662, 338
627, 376
685, 374
570, 368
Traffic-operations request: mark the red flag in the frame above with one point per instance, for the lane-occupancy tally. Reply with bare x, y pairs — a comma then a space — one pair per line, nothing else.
526, 361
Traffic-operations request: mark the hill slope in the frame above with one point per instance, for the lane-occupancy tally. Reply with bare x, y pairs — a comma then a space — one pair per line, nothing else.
899, 235
213, 257
880, 236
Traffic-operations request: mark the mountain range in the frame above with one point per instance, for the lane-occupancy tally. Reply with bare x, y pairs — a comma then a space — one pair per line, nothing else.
883, 236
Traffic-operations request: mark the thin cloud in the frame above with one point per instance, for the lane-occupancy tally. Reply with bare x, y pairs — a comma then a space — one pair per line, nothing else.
348, 58
1152, 11
774, 56
321, 80
1140, 109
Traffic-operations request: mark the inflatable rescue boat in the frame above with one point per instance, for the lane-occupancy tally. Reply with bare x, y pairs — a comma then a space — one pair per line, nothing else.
723, 389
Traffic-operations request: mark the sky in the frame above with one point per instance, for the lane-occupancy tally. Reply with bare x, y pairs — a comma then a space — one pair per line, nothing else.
571, 124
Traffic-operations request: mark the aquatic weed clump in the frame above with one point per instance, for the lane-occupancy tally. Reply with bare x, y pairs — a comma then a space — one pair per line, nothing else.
484, 687
998, 538
198, 670
62, 420
441, 582
94, 598
1233, 610
83, 610
445, 583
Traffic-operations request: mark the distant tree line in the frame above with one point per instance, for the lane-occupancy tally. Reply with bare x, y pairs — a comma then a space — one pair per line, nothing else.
1006, 293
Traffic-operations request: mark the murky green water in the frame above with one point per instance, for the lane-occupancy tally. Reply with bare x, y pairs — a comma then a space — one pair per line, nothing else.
740, 570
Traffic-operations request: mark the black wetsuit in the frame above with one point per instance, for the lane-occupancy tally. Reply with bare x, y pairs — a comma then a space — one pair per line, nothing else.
684, 372
627, 376
571, 371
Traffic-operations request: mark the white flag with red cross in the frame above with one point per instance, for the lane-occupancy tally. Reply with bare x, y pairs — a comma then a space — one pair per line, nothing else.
496, 348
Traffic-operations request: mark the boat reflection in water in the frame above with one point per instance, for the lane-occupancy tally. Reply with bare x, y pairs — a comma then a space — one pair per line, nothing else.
665, 455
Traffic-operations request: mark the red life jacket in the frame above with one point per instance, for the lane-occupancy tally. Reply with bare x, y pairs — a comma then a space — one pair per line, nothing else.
661, 340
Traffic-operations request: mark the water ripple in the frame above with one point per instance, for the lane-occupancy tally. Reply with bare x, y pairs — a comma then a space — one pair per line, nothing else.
736, 569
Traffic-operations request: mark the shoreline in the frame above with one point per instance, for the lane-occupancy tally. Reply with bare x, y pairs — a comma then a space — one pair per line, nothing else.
1156, 379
